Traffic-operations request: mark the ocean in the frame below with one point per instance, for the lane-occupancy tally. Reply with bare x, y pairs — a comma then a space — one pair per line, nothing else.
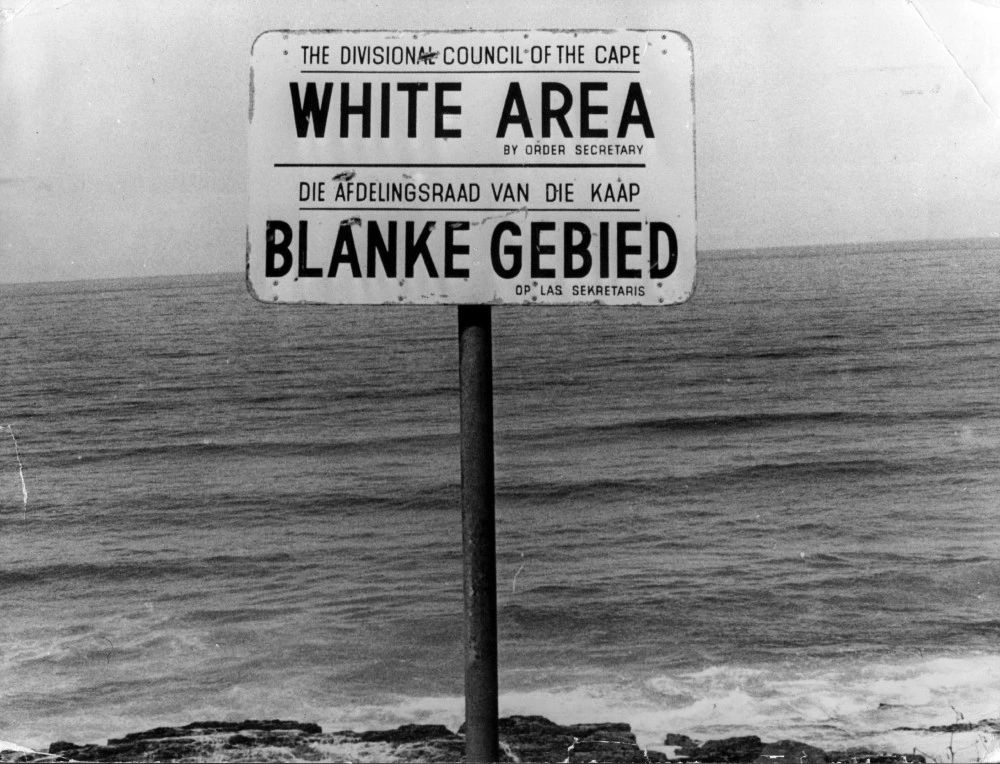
772, 510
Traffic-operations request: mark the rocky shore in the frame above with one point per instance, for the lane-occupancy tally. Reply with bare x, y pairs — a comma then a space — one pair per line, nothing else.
522, 739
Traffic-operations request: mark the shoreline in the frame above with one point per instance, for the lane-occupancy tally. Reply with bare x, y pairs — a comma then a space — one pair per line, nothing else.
522, 739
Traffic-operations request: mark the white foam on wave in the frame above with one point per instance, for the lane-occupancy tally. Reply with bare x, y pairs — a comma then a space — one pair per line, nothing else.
833, 704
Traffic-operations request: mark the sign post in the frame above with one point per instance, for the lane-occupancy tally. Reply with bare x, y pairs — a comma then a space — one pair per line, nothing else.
472, 169
475, 362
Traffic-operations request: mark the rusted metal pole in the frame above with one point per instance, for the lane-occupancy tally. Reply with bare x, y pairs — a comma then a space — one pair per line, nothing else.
475, 362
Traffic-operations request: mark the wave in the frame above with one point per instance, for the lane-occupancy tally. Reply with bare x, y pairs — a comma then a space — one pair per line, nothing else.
830, 704
724, 423
711, 479
154, 567
224, 449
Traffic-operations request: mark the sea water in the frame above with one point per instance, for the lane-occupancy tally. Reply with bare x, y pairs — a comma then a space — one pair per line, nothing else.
771, 511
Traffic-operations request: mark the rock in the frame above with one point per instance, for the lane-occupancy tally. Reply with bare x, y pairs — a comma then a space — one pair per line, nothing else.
956, 727
791, 752
237, 740
409, 733
604, 743
417, 742
12, 753
63, 747
193, 742
522, 739
157, 733
266, 725
867, 756
172, 748
537, 739
679, 741
731, 750
12, 756
531, 738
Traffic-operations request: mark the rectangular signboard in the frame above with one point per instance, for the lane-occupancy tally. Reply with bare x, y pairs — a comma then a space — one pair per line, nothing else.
528, 167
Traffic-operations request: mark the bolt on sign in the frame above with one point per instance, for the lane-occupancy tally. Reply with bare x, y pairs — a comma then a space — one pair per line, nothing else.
538, 167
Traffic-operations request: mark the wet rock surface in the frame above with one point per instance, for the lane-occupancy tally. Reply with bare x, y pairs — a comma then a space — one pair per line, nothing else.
522, 739
751, 750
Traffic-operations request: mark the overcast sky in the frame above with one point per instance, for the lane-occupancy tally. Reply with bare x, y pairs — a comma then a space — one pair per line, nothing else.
124, 124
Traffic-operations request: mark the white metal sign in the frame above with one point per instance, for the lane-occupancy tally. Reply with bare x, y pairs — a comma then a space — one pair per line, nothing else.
542, 167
